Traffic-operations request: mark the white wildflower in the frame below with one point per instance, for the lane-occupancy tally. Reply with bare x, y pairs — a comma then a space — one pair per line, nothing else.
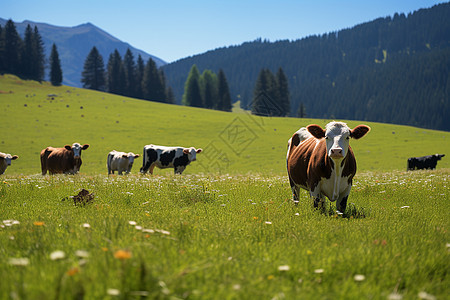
113, 292
56, 255
426, 296
82, 253
359, 277
284, 268
395, 296
21, 261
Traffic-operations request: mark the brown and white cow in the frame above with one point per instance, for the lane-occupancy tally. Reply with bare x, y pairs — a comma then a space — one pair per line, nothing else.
168, 157
120, 161
65, 160
322, 162
5, 161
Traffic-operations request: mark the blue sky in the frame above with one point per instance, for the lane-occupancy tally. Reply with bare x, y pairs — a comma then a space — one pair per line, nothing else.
174, 29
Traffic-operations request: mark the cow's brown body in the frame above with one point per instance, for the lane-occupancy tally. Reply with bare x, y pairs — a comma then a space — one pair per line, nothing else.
309, 163
322, 162
60, 160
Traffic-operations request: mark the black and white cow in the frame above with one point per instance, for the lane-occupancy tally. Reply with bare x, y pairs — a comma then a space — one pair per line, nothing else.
120, 161
424, 162
168, 157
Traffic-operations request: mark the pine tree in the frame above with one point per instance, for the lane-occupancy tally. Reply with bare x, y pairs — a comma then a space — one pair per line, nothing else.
192, 95
93, 76
26, 69
152, 85
170, 97
301, 113
283, 93
140, 67
264, 98
116, 74
209, 88
56, 76
12, 48
130, 74
224, 102
2, 50
38, 63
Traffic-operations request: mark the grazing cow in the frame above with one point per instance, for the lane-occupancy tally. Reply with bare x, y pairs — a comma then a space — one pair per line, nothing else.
168, 157
322, 162
5, 161
424, 162
120, 161
65, 160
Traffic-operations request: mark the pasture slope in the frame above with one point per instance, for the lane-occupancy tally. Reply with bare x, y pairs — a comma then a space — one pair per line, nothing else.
233, 142
226, 228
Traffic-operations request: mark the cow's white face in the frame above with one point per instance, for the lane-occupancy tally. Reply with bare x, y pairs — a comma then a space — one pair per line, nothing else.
76, 148
337, 136
8, 158
131, 156
192, 153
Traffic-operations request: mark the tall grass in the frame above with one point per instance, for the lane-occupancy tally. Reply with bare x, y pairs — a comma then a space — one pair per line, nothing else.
222, 237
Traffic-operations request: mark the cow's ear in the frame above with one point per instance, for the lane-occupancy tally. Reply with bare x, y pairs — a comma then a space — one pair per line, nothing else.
136, 156
199, 150
14, 157
359, 131
186, 151
316, 131
85, 146
68, 147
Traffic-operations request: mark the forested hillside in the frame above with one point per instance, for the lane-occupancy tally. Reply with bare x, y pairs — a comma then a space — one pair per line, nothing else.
394, 69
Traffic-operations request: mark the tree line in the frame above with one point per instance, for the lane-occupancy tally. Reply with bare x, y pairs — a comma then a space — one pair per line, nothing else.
207, 90
377, 68
271, 94
126, 77
25, 57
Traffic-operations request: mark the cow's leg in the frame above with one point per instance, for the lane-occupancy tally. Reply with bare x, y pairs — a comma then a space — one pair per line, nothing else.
146, 166
151, 168
317, 197
44, 157
119, 171
179, 169
295, 191
341, 202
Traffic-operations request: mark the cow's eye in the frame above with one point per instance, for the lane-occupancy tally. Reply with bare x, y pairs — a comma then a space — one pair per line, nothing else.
347, 138
327, 138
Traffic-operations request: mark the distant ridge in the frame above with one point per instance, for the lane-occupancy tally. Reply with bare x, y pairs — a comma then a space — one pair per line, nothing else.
74, 44
392, 69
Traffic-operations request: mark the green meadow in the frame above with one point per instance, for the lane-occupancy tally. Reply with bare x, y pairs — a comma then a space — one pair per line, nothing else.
226, 228
235, 143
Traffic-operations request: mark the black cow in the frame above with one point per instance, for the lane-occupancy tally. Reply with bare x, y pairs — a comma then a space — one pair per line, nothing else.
424, 162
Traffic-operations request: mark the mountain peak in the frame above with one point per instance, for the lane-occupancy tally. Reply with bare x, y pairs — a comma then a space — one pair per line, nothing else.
75, 43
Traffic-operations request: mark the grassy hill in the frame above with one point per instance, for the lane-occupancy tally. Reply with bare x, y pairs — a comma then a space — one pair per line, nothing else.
36, 115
